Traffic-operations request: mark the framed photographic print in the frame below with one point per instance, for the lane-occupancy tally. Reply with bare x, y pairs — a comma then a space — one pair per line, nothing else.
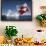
16, 10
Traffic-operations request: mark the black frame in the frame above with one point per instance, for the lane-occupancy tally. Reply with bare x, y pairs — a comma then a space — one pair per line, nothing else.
15, 20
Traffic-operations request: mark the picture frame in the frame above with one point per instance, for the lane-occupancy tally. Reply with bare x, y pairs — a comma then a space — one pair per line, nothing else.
16, 10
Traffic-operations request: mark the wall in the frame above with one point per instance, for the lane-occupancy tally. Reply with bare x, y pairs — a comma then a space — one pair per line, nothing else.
27, 27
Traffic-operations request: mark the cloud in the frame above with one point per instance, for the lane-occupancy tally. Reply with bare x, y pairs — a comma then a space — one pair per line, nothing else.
25, 4
27, 13
11, 14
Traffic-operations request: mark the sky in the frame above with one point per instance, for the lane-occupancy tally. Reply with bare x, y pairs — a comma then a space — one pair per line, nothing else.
11, 4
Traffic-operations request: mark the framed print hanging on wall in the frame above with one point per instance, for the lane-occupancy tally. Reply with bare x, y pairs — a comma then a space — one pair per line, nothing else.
16, 10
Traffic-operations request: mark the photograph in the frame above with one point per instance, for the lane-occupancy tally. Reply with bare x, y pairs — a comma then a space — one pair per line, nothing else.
16, 10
